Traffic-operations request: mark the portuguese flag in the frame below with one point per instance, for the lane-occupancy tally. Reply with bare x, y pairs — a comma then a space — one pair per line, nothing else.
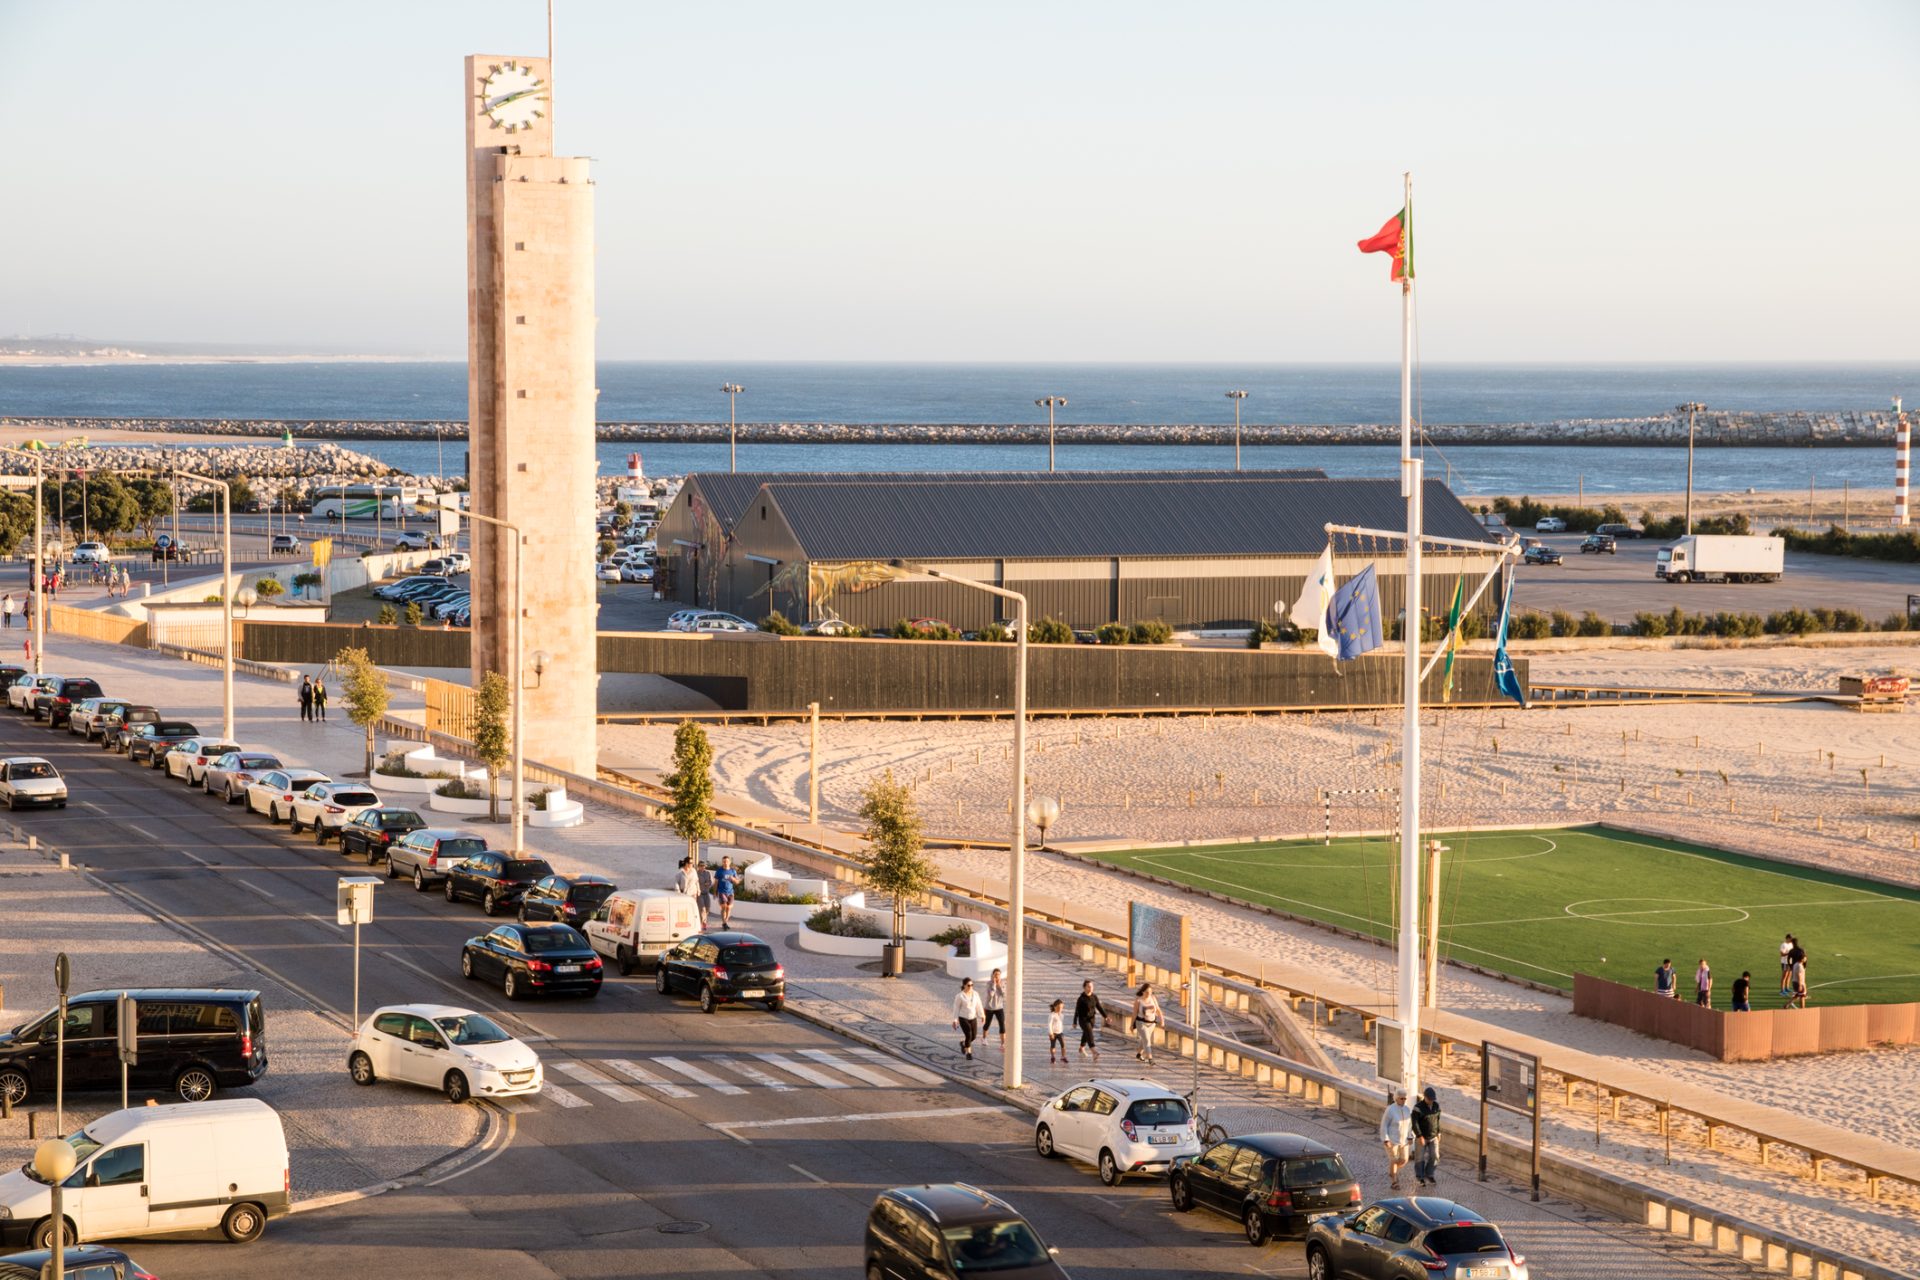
1396, 238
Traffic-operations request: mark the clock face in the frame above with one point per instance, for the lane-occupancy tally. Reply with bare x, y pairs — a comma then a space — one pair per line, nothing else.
513, 97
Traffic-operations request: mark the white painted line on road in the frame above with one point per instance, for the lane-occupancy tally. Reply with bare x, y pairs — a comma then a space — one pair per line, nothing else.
562, 1096
195, 858
88, 804
511, 1127
858, 1072
698, 1075
534, 1034
753, 1073
254, 888
934, 1114
634, 1071
585, 1075
143, 833
802, 1070
896, 1066
811, 1177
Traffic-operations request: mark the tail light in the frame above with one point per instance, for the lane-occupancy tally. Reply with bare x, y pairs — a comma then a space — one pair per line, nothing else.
1519, 1260
201, 760
332, 808
1280, 1200
1433, 1261
286, 1182
243, 777
1126, 1127
593, 963
779, 972
138, 1274
1353, 1194
288, 799
246, 1044
719, 973
433, 861
539, 966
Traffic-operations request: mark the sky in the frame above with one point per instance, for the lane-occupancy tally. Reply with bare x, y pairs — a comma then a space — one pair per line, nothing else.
1042, 180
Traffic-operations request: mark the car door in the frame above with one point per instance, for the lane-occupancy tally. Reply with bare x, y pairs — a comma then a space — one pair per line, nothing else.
382, 1044
262, 790
1242, 1176
1069, 1121
539, 900
114, 1199
92, 1050
677, 964
1360, 1244
1098, 1124
432, 1056
1207, 1174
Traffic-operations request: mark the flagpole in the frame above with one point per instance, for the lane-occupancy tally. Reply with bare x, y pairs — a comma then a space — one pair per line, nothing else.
1407, 987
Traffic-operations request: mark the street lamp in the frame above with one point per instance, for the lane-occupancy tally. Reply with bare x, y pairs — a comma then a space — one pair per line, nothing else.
423, 507
1050, 403
53, 1160
1690, 408
226, 596
732, 389
1236, 397
1043, 812
35, 596
1017, 852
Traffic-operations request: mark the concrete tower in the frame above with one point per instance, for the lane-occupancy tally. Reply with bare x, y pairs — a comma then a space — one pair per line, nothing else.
530, 404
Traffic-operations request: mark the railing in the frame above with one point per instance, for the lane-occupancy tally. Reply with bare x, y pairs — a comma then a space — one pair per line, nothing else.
451, 709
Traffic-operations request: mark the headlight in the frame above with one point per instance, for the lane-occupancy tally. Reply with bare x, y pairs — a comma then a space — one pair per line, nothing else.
6, 1214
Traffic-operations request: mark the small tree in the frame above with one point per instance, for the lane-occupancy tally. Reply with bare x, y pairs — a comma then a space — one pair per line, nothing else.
365, 690
387, 616
492, 745
896, 864
691, 813
415, 614
268, 587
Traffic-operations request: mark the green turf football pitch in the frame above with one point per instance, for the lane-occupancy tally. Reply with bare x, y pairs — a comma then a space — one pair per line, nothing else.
1543, 905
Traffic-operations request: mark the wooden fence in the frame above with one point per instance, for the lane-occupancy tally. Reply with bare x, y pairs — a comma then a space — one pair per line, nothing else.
450, 709
89, 624
1754, 1036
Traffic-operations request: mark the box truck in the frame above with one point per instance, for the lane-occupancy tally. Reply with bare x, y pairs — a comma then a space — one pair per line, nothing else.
1714, 557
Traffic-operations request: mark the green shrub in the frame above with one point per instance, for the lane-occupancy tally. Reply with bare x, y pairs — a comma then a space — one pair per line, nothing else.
415, 614
1901, 546
1525, 513
777, 898
387, 617
959, 937
538, 800
778, 623
1894, 622
1650, 624
1262, 632
1563, 623
1592, 624
903, 629
994, 633
1113, 633
834, 921
269, 587
1527, 626
461, 789
1791, 622
1152, 632
1049, 631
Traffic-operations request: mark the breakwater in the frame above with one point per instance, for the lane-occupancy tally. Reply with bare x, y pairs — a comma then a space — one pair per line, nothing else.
312, 465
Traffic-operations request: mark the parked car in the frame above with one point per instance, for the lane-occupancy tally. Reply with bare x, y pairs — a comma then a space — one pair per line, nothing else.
82, 720
1273, 1184
92, 553
194, 1041
567, 900
284, 544
1118, 1126
274, 791
720, 622
950, 1231
461, 1053
682, 619
81, 1262
120, 724
1408, 1236
1599, 544
460, 561
632, 928
29, 780
11, 675
829, 627
608, 572
56, 700
167, 547
25, 687
188, 761
445, 609
429, 853
393, 590
1540, 553
438, 567
494, 879
534, 959
723, 968
414, 540
231, 775
1618, 530
329, 806
638, 571
152, 741
1550, 524
370, 831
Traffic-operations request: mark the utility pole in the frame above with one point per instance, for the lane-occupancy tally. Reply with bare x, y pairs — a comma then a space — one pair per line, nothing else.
1690, 408
1050, 403
1236, 397
1434, 850
732, 389
813, 763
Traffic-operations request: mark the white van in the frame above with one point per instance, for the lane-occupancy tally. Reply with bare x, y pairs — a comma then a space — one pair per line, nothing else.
150, 1171
633, 927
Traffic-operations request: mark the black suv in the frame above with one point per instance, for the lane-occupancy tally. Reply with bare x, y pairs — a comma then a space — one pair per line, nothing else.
567, 900
1411, 1235
1599, 544
118, 727
1273, 1184
722, 968
56, 701
194, 1042
951, 1230
494, 879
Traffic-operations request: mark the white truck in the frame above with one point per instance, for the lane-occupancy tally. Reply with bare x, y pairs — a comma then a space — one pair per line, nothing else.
1711, 557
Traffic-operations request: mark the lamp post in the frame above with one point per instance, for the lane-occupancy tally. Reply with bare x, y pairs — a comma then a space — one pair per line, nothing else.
1236, 397
1690, 408
1050, 403
1043, 812
36, 598
53, 1161
731, 390
518, 803
226, 596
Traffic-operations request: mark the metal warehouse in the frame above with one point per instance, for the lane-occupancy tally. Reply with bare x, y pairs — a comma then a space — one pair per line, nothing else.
1186, 548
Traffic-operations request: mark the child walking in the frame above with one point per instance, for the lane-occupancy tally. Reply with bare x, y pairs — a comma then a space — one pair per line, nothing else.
1056, 1030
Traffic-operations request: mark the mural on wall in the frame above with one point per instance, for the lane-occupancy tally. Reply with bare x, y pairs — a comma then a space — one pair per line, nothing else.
819, 582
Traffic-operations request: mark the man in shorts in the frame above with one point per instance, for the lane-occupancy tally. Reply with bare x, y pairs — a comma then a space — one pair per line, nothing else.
724, 880
1786, 964
1396, 1135
1797, 976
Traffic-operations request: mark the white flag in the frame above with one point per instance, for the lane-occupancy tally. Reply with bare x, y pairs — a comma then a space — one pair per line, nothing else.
1310, 610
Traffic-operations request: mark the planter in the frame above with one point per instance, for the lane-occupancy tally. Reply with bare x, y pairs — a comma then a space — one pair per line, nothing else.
893, 961
560, 811
986, 953
474, 808
423, 760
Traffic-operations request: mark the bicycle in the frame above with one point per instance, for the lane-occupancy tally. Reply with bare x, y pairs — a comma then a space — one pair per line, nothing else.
1209, 1130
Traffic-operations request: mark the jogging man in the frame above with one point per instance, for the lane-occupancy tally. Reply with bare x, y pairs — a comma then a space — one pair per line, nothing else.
724, 880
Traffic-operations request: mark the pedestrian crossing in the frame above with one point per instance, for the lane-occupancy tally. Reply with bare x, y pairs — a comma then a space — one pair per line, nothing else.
684, 1076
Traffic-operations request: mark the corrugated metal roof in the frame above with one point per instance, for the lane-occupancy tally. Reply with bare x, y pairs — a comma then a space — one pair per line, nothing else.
1043, 518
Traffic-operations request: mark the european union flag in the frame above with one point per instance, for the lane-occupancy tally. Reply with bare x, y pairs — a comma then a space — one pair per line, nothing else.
1356, 615
1505, 678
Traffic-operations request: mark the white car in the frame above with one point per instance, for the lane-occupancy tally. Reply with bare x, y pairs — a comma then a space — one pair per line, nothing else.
274, 791
29, 780
461, 1053
721, 622
459, 561
638, 571
1550, 524
21, 692
328, 806
829, 627
188, 761
609, 572
412, 540
92, 553
1118, 1126
680, 620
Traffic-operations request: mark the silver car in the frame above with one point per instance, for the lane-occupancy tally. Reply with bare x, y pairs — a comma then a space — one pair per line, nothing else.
231, 775
188, 761
30, 780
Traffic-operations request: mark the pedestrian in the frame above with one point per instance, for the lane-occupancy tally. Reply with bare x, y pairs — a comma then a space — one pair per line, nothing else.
1426, 1136
1664, 980
1085, 1010
1743, 992
1797, 976
320, 701
1786, 964
967, 1012
306, 697
996, 1007
1056, 1030
1703, 984
705, 874
1396, 1129
1146, 1016
687, 880
6, 608
725, 879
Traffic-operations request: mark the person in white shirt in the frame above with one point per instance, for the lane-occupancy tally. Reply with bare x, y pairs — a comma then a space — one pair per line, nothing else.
1786, 964
967, 1012
1396, 1135
1057, 1030
688, 881
996, 1003
1146, 1016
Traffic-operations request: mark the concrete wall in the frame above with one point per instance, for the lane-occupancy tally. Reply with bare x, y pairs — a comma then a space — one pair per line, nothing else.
1746, 1037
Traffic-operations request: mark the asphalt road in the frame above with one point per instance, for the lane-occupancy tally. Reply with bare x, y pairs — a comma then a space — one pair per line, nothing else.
769, 1168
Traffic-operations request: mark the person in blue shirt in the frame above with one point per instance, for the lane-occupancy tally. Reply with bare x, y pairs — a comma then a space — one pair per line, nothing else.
725, 877
1663, 979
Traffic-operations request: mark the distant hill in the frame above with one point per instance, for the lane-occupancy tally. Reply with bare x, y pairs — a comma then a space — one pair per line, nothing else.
68, 346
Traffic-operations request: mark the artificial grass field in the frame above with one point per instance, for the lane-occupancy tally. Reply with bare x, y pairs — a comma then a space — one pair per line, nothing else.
1545, 904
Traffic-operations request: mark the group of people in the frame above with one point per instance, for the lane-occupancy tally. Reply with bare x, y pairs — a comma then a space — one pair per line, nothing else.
1793, 980
313, 698
974, 1013
709, 887
1412, 1134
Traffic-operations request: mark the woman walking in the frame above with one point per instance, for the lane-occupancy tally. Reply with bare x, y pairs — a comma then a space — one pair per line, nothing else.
996, 1004
320, 701
967, 1013
1146, 1016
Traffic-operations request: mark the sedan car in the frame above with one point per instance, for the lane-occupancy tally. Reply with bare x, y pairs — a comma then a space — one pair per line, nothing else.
117, 727
429, 853
370, 831
274, 791
188, 760
29, 780
393, 590
494, 879
1411, 1236
329, 806
723, 968
1118, 1126
461, 1053
568, 900
92, 553
533, 959
83, 720
1599, 544
80, 1262
150, 742
231, 775
1540, 553
1273, 1184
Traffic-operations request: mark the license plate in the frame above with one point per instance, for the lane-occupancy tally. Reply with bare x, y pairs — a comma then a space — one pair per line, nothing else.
1483, 1273
752, 995
566, 968
1161, 1139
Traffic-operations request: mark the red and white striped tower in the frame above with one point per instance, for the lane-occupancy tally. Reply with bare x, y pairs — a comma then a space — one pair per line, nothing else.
1902, 452
634, 473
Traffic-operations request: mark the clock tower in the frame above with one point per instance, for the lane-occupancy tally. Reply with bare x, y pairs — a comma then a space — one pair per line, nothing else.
530, 406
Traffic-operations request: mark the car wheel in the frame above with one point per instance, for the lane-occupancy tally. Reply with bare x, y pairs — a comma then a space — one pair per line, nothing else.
510, 986
489, 904
776, 1004
466, 964
1043, 1143
360, 1067
1182, 1194
660, 978
456, 1087
1318, 1268
15, 1086
320, 836
707, 1003
419, 880
1256, 1226
1109, 1169
243, 1223
625, 958
195, 1084
43, 1234
451, 896
392, 871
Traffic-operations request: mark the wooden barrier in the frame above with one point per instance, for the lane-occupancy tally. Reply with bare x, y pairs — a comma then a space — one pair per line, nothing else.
90, 624
1755, 1036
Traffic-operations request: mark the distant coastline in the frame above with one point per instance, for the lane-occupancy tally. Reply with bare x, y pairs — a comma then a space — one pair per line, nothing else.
32, 360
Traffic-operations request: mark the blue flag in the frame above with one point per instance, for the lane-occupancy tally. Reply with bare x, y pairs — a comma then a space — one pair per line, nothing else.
1355, 610
1505, 678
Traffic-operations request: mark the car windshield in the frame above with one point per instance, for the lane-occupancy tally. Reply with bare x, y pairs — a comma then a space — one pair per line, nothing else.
355, 797
258, 762
590, 895
472, 1028
561, 939
463, 846
1315, 1171
1158, 1111
1476, 1237
760, 953
37, 769
526, 870
994, 1246
83, 1146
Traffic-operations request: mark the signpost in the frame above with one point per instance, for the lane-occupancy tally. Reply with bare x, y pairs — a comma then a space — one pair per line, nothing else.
1510, 1080
62, 972
353, 904
129, 1038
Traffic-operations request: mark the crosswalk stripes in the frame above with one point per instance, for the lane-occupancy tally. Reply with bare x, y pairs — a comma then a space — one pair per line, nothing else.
898, 1067
802, 1070
858, 1072
755, 1074
660, 1084
699, 1075
581, 1072
565, 1097
732, 1074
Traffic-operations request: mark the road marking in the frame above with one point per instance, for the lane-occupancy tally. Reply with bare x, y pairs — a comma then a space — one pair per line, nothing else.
511, 1127
531, 1033
934, 1114
142, 832
753, 1073
867, 1074
585, 1075
250, 885
802, 1070
811, 1177
194, 857
562, 1096
896, 1066
634, 1071
699, 1076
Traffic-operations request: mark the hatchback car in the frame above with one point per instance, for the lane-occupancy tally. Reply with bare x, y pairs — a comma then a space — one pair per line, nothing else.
951, 1231
329, 806
608, 573
534, 959
119, 725
83, 720
57, 699
1411, 1236
29, 780
1273, 1184
568, 900
494, 879
25, 687
1540, 553
231, 775
188, 761
1550, 524
151, 742
370, 831
1599, 544
461, 1053
274, 791
284, 544
81, 1262
1119, 1127
723, 968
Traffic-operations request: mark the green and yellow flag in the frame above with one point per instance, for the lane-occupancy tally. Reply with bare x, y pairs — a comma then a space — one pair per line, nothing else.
1453, 635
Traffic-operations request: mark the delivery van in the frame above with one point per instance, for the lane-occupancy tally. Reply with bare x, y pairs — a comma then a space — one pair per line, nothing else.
632, 928
150, 1171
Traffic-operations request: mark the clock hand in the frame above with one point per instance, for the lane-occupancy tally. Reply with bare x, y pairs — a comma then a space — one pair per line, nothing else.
515, 96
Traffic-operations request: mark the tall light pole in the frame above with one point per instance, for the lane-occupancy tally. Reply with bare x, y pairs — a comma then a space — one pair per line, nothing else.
1050, 403
226, 596
36, 598
1690, 408
423, 507
732, 390
1010, 1076
1236, 397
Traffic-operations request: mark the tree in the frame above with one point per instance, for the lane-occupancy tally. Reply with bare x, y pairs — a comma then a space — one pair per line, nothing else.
105, 506
622, 515
492, 743
388, 616
1049, 631
415, 614
896, 864
691, 812
365, 691
268, 587
154, 502
16, 523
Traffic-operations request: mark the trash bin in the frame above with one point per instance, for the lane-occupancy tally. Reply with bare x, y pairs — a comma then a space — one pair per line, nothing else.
893, 960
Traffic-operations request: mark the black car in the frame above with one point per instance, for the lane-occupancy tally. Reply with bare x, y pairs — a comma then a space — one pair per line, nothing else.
722, 968
150, 742
81, 1262
1273, 1184
1541, 553
951, 1231
1411, 1236
494, 878
534, 959
194, 1042
567, 900
166, 548
118, 727
372, 830
1599, 544
55, 701
1618, 531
